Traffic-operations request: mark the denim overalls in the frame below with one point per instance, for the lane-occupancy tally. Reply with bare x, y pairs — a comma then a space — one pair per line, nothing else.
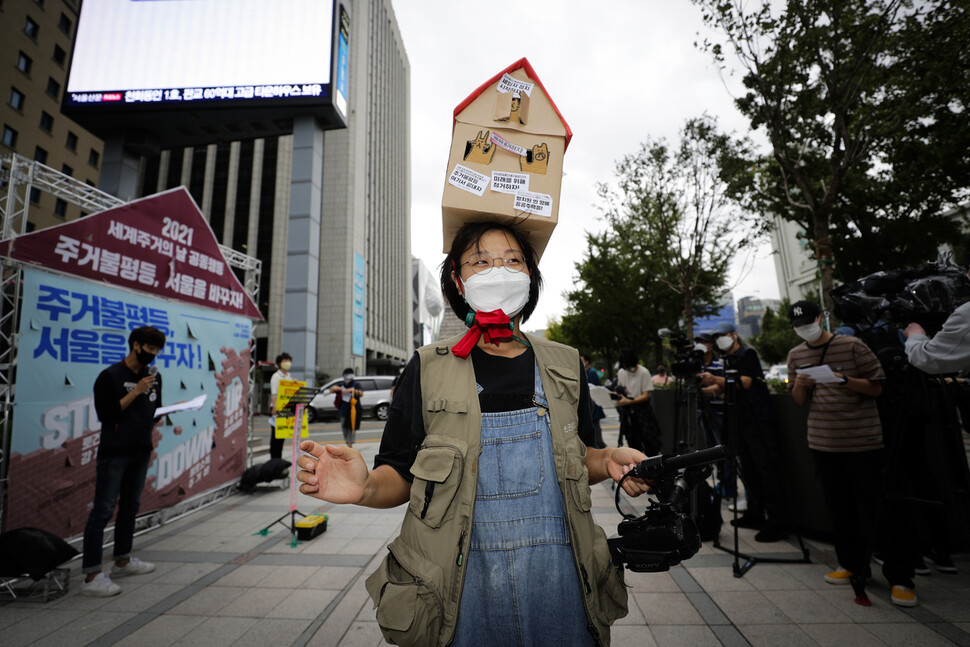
521, 586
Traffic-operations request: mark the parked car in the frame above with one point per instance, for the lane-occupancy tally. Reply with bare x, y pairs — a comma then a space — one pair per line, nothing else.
376, 400
778, 372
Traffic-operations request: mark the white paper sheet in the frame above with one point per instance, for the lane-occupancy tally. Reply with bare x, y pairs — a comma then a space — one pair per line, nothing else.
821, 374
189, 405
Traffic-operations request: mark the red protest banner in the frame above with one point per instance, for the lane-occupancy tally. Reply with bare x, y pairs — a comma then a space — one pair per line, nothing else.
161, 244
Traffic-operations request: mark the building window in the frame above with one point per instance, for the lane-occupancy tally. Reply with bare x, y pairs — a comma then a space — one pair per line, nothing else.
16, 99
53, 88
9, 136
71, 142
64, 24
67, 170
46, 121
24, 62
34, 195
59, 55
31, 28
60, 207
40, 155
93, 158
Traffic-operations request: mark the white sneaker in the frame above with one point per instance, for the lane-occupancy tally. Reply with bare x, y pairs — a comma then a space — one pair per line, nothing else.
134, 567
742, 506
100, 587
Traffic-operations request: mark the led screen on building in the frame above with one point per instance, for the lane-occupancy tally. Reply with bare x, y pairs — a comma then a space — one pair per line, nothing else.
148, 56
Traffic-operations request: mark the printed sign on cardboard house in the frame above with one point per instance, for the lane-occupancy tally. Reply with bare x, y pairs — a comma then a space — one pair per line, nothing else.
506, 157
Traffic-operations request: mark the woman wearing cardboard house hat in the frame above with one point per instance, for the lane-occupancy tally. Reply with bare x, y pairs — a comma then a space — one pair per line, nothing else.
489, 441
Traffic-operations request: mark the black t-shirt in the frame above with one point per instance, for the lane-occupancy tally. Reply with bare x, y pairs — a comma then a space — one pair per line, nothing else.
128, 431
754, 403
507, 384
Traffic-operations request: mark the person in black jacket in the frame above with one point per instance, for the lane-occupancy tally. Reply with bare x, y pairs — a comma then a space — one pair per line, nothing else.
126, 395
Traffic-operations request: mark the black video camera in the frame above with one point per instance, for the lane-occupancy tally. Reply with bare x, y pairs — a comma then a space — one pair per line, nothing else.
664, 535
688, 361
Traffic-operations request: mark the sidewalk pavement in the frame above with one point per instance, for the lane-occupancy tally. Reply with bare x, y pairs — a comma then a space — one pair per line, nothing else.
218, 582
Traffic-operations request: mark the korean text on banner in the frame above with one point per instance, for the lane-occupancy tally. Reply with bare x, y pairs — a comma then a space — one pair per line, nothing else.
284, 426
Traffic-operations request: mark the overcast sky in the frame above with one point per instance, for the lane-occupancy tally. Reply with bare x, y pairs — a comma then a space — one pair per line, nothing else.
620, 73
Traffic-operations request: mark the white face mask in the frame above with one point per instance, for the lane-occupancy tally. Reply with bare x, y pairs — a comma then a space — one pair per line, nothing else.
700, 347
725, 342
498, 288
809, 332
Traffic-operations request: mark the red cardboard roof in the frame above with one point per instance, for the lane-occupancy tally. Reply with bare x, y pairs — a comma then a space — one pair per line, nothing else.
521, 63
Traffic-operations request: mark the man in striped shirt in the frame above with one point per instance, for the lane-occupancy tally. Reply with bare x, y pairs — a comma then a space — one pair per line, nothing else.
845, 436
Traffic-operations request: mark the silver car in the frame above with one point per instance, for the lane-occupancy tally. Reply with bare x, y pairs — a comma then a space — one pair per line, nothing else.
376, 400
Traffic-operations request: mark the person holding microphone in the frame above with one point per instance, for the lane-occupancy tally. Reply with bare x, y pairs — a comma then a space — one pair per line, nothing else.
126, 395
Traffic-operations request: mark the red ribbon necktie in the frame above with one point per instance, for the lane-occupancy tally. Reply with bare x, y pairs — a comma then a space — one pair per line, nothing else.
495, 326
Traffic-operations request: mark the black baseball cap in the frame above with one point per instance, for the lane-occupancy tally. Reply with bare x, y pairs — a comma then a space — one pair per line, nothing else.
803, 312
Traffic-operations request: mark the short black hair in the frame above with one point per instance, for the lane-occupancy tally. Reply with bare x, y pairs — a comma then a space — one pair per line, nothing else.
282, 356
587, 358
146, 335
628, 358
470, 235
347, 371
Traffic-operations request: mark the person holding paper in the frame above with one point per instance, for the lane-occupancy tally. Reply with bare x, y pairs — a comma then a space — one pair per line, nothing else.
126, 396
283, 363
845, 436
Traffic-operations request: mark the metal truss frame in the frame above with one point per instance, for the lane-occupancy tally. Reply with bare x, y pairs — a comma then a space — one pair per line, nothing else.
19, 176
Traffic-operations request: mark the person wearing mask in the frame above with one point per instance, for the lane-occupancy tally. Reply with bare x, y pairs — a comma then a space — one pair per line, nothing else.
126, 395
490, 442
593, 379
845, 436
636, 412
757, 437
283, 364
348, 404
661, 378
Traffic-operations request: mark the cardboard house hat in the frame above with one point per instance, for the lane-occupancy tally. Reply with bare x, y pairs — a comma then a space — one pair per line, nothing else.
507, 147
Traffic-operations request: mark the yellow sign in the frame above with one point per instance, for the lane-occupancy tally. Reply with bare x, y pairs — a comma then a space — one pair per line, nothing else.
284, 426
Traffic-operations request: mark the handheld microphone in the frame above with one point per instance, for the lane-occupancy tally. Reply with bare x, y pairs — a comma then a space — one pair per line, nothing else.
153, 370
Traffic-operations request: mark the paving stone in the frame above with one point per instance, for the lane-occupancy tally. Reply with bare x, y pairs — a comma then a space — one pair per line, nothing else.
806, 606
30, 629
901, 635
748, 608
87, 628
216, 632
680, 635
302, 604
841, 634
163, 630
631, 636
773, 635
667, 609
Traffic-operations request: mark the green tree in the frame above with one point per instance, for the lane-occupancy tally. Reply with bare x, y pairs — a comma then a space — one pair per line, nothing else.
777, 336
864, 106
671, 209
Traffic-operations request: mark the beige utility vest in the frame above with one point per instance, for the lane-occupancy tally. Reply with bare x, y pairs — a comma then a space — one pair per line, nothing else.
417, 589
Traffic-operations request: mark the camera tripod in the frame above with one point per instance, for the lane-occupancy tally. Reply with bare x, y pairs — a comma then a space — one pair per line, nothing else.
732, 384
935, 477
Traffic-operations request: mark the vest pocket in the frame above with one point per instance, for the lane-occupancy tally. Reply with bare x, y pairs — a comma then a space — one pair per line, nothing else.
577, 477
437, 471
406, 591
